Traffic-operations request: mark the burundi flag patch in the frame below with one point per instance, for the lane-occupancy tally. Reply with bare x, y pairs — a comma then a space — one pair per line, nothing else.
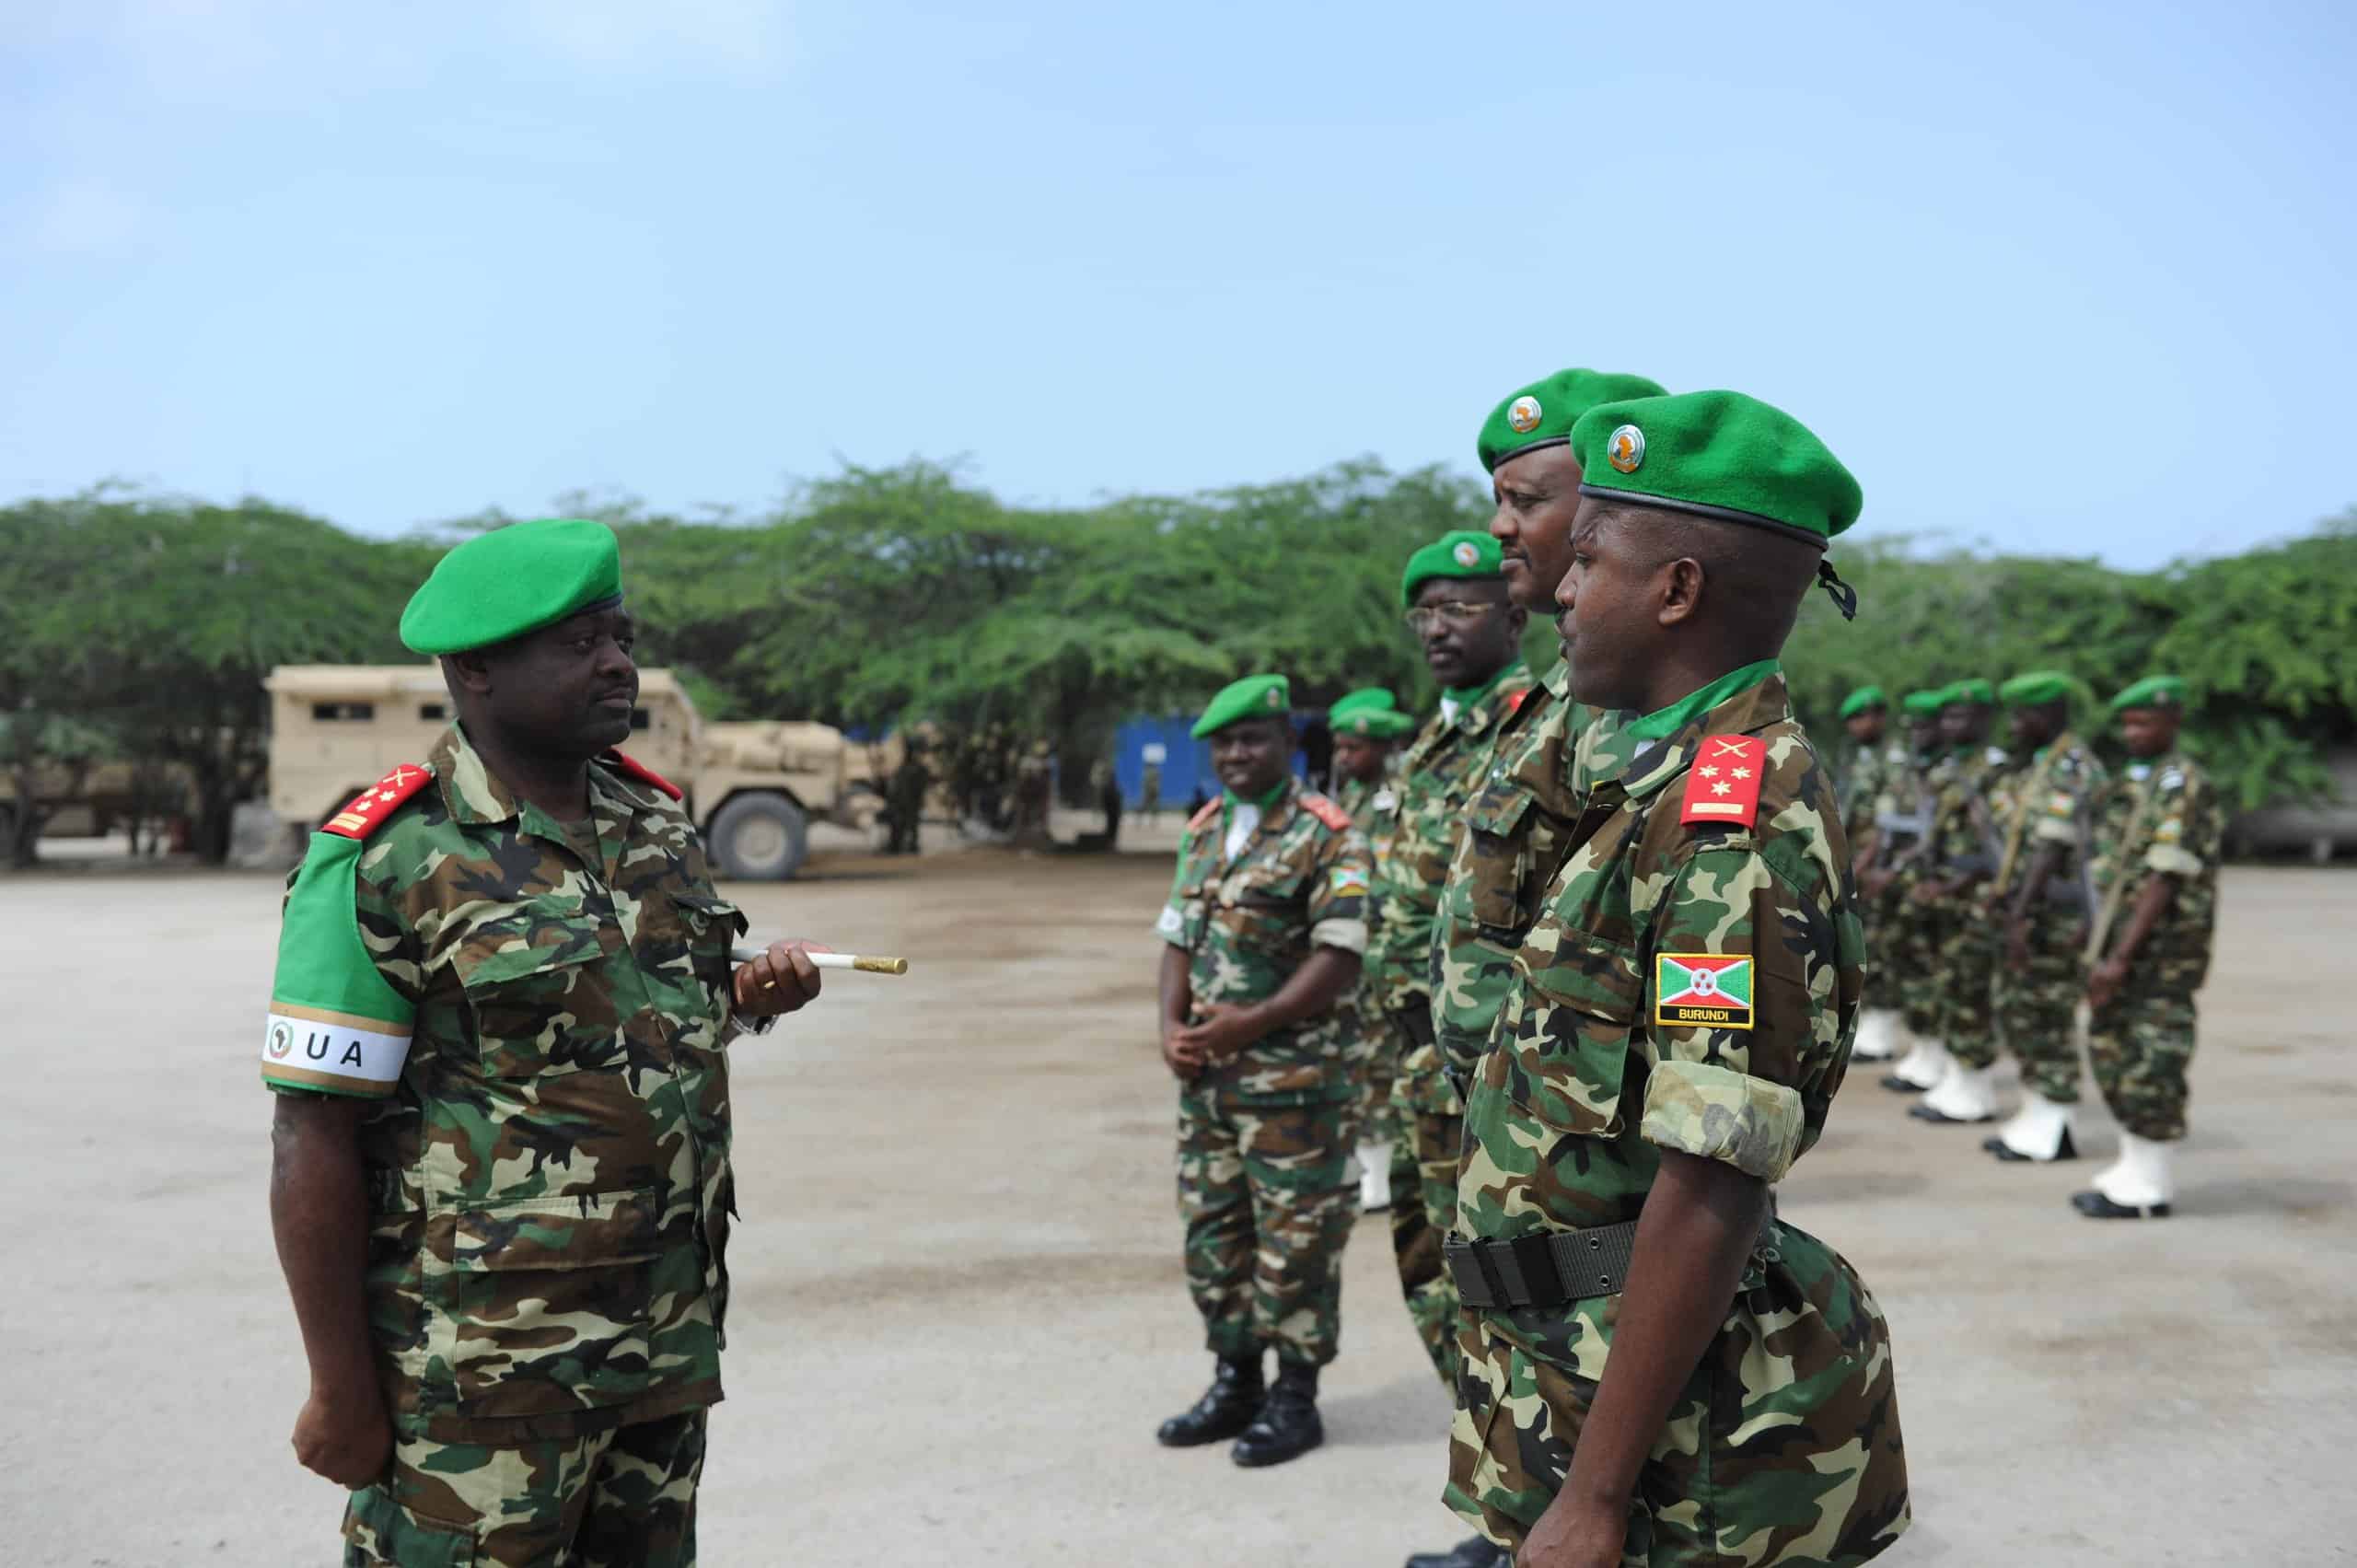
1345, 881
1703, 990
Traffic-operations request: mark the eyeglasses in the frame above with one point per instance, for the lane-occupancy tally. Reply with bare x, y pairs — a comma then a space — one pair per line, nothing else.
1453, 611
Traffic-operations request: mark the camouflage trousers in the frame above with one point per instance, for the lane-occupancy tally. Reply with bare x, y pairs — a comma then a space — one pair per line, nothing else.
621, 1498
1783, 1449
2036, 1006
1964, 978
1424, 1210
1269, 1193
1904, 947
1379, 1122
2140, 1047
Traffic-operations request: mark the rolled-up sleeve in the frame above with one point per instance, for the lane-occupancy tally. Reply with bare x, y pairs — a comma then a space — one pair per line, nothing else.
1742, 1009
1337, 893
2171, 852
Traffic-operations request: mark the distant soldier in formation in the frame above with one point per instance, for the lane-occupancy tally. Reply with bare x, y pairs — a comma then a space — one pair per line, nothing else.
1656, 1368
500, 1176
1367, 730
1864, 786
1150, 790
1900, 861
2040, 897
2159, 835
1965, 850
905, 804
1265, 927
1454, 595
1519, 821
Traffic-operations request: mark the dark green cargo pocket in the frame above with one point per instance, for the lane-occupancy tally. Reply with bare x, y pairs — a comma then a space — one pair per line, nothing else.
380, 1533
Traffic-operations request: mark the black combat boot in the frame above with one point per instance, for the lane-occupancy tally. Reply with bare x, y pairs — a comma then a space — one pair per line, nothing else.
1287, 1426
1226, 1408
1471, 1552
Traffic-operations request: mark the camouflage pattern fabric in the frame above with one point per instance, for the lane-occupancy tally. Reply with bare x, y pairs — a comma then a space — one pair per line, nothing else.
1518, 830
1903, 936
2050, 802
1863, 787
1269, 1194
1267, 1188
621, 1498
1785, 1446
1362, 803
1424, 1210
550, 1179
2159, 818
1964, 972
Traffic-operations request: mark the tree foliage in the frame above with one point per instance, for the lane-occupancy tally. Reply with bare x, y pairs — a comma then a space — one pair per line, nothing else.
883, 597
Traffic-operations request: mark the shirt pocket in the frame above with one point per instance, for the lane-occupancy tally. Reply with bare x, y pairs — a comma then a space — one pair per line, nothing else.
546, 1301
538, 1003
1269, 909
1500, 863
709, 928
1569, 1053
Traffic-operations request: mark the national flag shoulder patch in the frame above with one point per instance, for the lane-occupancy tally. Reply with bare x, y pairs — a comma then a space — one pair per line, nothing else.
1723, 782
1346, 881
1703, 990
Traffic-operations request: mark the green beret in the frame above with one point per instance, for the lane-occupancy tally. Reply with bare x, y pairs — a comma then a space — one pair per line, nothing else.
1377, 723
511, 581
1717, 455
1865, 697
1542, 413
2037, 687
2152, 692
1254, 697
1371, 698
1462, 553
1924, 703
1973, 690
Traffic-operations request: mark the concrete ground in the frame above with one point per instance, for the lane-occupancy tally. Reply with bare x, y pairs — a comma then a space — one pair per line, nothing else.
959, 1312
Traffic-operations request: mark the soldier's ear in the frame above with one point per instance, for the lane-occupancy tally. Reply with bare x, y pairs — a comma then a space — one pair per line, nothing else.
1679, 586
469, 672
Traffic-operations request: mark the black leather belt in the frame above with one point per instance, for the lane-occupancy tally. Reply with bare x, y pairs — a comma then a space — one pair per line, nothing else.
1416, 1023
1551, 1270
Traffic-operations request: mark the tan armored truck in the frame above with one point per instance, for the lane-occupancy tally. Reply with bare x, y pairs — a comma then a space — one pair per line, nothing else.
753, 786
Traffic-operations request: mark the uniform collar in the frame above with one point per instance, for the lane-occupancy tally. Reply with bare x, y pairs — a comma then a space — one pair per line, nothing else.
1640, 763
477, 797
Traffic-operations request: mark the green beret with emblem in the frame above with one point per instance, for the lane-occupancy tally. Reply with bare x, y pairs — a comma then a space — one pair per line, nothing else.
1364, 699
2038, 687
513, 580
1543, 413
1718, 454
1864, 697
1254, 697
1464, 553
1924, 703
1376, 724
2152, 692
1973, 690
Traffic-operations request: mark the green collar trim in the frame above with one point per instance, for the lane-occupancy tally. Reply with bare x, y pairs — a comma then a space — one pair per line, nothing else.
1471, 696
1230, 800
1667, 721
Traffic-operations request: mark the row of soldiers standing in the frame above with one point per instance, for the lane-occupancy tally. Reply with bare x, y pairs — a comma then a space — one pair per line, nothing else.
1600, 933
2005, 887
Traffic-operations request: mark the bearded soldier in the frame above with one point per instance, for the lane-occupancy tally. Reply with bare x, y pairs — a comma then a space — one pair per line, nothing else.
500, 1179
1637, 1319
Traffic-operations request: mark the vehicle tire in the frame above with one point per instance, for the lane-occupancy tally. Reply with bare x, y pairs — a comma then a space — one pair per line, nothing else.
760, 837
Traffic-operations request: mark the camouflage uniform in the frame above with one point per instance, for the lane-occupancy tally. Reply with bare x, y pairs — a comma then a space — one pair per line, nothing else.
1266, 1185
546, 1278
1414, 845
1863, 788
1965, 970
1362, 803
1784, 1446
2049, 802
1905, 958
2161, 817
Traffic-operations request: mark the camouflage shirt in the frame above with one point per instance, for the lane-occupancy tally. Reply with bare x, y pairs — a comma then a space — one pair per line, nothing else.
549, 1163
1247, 921
1693, 981
2049, 801
1965, 838
1863, 788
1361, 803
2161, 817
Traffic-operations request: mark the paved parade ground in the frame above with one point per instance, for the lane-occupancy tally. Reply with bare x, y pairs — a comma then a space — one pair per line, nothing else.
958, 1313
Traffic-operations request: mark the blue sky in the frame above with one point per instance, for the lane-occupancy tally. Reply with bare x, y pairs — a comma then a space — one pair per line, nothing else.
2066, 279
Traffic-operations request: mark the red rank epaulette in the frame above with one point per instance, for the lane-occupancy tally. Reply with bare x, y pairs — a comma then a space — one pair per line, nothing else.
633, 768
372, 806
1325, 810
1514, 703
1202, 818
1724, 784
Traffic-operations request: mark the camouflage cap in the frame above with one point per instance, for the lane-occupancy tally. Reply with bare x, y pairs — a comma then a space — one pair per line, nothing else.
511, 581
1254, 697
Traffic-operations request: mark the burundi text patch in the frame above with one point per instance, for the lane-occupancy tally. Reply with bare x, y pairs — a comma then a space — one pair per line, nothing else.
1703, 990
314, 1048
